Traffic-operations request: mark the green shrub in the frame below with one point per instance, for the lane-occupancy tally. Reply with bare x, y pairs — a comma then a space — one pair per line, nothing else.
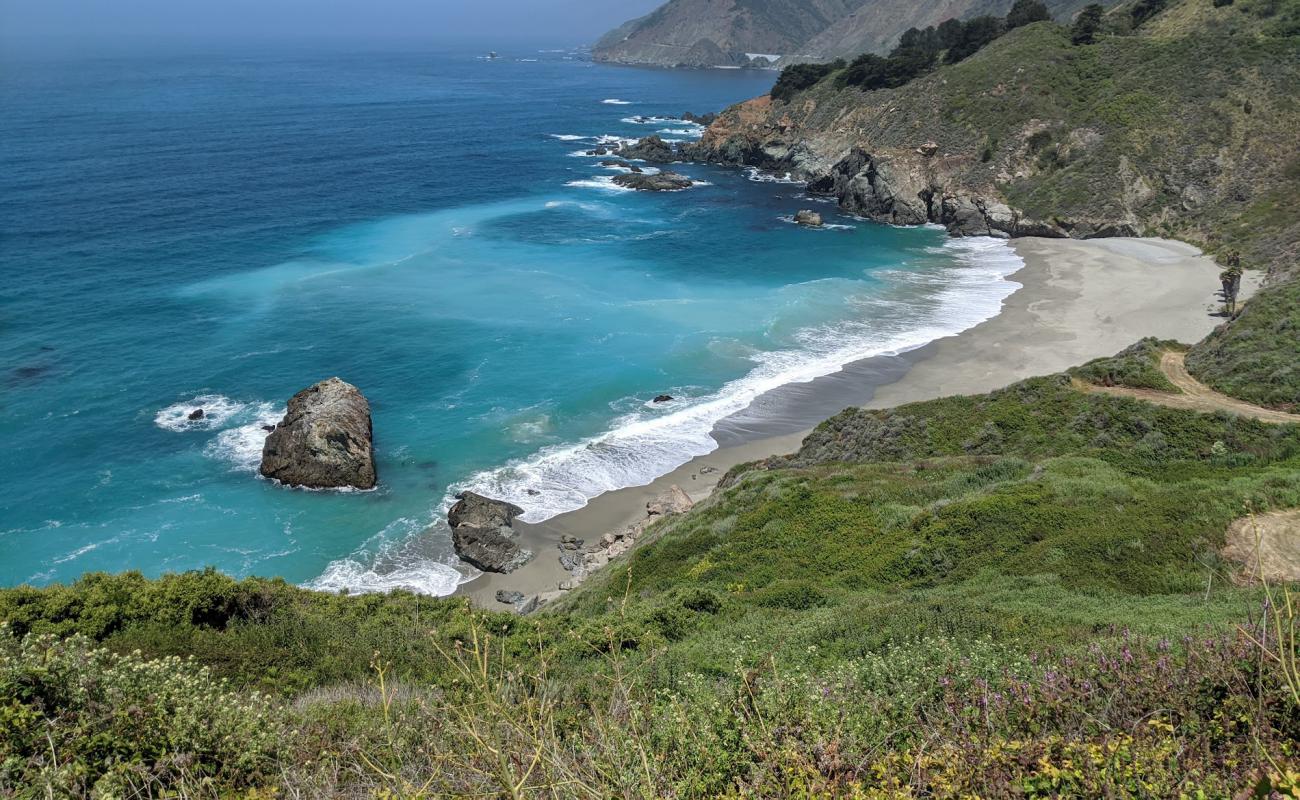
80, 721
1255, 357
1137, 367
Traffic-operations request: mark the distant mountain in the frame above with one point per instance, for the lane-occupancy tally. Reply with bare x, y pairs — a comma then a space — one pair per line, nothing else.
710, 33
764, 33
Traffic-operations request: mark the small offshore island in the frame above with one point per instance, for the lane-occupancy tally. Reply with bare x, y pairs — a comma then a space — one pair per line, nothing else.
1050, 556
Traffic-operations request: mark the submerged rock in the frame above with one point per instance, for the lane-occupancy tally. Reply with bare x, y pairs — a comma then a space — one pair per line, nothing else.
660, 182
483, 534
195, 415
324, 441
664, 398
808, 218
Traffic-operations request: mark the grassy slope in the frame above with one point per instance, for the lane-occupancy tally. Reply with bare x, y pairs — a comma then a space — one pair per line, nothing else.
1188, 127
954, 538
1257, 356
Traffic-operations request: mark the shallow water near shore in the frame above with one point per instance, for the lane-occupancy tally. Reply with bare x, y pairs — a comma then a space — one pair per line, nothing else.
221, 232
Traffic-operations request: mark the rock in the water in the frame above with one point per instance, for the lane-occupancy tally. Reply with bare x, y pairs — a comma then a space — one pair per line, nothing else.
663, 398
196, 414
652, 148
482, 533
614, 162
509, 597
699, 119
809, 218
324, 441
659, 182
268, 428
673, 501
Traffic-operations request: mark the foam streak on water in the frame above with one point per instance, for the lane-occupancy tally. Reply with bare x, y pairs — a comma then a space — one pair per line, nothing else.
640, 447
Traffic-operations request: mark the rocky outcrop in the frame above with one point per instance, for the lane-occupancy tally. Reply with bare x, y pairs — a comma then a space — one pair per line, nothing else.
650, 148
808, 218
483, 534
324, 441
658, 182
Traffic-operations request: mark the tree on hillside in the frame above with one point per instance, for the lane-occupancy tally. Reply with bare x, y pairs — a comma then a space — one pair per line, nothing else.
950, 32
1144, 10
1026, 11
1087, 24
798, 77
1230, 278
975, 34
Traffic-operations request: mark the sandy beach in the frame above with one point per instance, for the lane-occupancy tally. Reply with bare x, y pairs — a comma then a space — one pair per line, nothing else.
1079, 300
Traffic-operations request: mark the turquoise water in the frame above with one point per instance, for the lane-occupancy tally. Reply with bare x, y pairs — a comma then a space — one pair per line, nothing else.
220, 232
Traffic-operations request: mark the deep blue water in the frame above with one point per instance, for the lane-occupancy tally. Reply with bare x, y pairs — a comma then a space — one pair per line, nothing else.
220, 232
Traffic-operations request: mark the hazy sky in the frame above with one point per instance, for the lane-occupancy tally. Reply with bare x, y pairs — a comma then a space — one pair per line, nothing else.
25, 22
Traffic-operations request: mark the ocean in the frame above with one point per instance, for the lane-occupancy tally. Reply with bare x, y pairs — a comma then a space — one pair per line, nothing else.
221, 231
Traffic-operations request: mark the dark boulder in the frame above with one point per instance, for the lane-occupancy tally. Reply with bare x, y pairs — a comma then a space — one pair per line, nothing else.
195, 415
324, 441
509, 597
483, 534
808, 218
652, 148
660, 182
664, 398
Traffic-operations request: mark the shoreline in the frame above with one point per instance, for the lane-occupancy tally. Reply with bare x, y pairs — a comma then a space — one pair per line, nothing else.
1079, 300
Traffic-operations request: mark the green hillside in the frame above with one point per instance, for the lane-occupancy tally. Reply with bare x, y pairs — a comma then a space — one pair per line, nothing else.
1011, 595
1038, 564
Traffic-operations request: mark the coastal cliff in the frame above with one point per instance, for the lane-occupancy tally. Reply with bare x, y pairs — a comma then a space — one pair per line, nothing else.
761, 33
1186, 126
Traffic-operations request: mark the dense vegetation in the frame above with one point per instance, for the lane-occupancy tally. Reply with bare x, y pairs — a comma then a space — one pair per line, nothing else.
1136, 366
1012, 593
1256, 356
1017, 594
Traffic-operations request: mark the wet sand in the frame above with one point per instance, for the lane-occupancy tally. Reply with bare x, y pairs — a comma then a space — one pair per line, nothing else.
1079, 300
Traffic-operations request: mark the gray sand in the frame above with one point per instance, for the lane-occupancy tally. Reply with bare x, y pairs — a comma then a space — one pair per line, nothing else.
1080, 300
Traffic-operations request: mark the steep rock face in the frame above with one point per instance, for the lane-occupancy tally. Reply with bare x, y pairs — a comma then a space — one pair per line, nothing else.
324, 440
712, 33
726, 33
483, 534
1035, 136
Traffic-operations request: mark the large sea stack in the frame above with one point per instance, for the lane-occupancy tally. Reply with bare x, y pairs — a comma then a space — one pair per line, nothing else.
482, 532
324, 441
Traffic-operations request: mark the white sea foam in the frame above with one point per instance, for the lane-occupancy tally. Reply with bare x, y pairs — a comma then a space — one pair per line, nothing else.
614, 101
643, 120
216, 410
641, 446
604, 183
398, 557
758, 176
241, 446
568, 137
424, 577
679, 131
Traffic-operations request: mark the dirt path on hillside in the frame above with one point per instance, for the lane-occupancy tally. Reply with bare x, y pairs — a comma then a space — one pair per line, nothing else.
1268, 545
1195, 396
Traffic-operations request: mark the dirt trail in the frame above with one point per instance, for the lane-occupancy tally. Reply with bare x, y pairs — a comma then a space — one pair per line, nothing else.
1268, 545
1195, 395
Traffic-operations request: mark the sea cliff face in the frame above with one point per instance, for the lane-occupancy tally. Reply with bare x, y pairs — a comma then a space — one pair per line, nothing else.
761, 33
1188, 128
